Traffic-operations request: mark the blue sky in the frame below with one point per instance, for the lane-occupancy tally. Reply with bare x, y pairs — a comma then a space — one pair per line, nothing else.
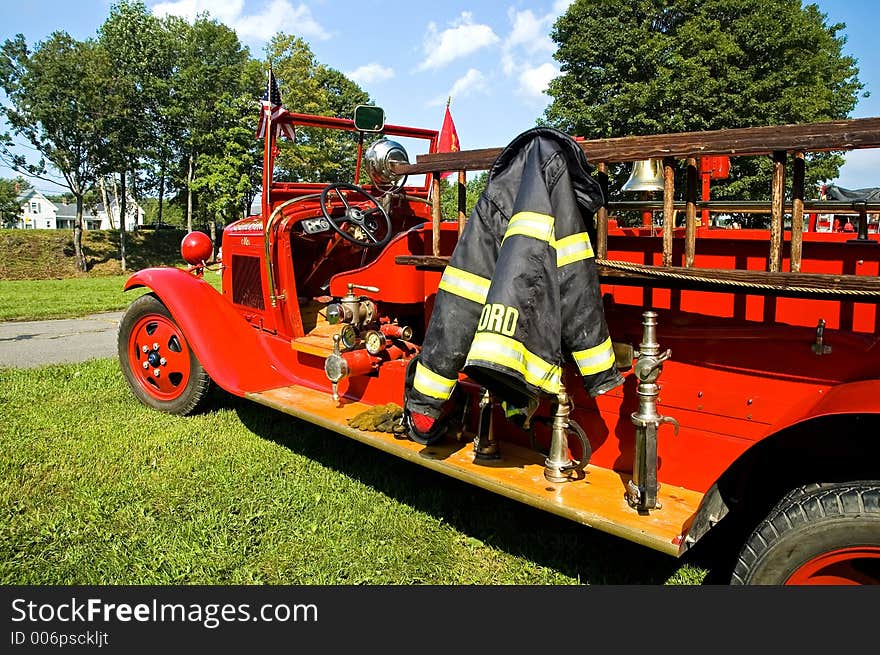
494, 58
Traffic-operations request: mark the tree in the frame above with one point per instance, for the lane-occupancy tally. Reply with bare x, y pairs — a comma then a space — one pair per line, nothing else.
449, 195
10, 207
228, 169
165, 140
212, 75
652, 66
310, 87
172, 214
60, 101
132, 38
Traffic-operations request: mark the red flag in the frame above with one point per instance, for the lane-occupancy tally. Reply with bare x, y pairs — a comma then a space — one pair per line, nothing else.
448, 141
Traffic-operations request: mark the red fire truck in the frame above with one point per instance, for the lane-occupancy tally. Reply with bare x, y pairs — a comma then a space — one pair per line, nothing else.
750, 413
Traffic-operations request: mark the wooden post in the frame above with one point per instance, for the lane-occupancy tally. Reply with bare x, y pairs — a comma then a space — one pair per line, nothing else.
602, 214
797, 211
435, 214
776, 206
462, 200
668, 208
690, 213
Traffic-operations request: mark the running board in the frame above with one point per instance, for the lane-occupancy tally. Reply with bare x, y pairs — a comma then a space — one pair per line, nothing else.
597, 500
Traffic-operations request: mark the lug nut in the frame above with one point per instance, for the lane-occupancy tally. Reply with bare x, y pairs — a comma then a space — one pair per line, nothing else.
155, 346
156, 372
146, 365
145, 349
163, 361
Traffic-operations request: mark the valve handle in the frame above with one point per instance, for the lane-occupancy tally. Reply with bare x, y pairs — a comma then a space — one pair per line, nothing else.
586, 448
669, 419
659, 361
352, 287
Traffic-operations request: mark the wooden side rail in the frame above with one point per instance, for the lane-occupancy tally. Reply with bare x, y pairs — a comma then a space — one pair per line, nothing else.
849, 134
861, 288
778, 141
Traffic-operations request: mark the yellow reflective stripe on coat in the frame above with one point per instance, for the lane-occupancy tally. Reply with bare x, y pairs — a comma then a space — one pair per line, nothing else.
531, 224
428, 383
596, 359
569, 249
464, 284
573, 249
511, 354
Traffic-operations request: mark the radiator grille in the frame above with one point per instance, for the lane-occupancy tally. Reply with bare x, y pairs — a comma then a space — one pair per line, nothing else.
247, 284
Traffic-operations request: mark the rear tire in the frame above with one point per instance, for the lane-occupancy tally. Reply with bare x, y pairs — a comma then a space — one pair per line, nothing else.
818, 534
157, 362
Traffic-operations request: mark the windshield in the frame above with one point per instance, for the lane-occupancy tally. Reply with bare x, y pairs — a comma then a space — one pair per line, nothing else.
329, 154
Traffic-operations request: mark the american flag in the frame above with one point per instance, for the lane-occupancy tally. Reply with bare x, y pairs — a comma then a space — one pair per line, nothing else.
272, 110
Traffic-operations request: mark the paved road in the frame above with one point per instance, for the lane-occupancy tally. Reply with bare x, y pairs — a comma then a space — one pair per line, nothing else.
28, 344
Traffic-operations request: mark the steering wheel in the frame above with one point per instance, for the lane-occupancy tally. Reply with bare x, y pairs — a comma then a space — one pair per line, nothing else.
370, 220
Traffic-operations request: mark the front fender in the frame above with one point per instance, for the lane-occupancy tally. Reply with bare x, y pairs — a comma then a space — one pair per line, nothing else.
237, 356
861, 397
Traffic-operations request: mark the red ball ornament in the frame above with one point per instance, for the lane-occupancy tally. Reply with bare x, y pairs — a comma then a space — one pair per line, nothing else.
196, 248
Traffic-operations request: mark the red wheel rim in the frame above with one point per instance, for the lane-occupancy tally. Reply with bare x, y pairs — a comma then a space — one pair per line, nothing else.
856, 565
159, 357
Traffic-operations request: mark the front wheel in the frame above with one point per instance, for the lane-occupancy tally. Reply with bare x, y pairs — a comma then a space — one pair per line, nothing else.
158, 364
819, 534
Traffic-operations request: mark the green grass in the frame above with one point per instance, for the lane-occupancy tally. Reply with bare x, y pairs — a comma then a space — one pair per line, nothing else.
38, 278
49, 254
97, 489
78, 296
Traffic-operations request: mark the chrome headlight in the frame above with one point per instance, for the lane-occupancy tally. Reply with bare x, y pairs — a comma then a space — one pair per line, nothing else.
378, 159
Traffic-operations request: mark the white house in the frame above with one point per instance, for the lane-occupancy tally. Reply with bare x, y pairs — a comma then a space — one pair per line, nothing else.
134, 215
37, 212
65, 218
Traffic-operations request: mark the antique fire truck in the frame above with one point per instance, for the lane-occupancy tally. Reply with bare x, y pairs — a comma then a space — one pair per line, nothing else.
751, 403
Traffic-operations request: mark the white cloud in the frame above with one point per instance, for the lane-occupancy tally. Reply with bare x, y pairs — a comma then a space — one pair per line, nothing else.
533, 81
280, 16
224, 10
370, 73
274, 16
527, 49
461, 39
464, 86
508, 64
470, 80
530, 32
561, 6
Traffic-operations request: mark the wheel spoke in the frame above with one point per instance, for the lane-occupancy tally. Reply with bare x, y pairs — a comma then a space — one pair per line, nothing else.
164, 336
357, 216
164, 383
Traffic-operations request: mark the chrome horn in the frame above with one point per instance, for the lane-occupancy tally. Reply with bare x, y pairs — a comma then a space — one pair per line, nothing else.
647, 175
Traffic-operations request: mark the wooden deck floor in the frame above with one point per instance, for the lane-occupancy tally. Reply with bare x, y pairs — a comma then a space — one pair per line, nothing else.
597, 500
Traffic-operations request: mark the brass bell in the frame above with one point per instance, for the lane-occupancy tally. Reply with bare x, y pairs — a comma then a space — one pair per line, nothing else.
647, 175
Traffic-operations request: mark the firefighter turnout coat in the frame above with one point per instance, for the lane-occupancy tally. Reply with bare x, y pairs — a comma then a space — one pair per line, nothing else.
521, 291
